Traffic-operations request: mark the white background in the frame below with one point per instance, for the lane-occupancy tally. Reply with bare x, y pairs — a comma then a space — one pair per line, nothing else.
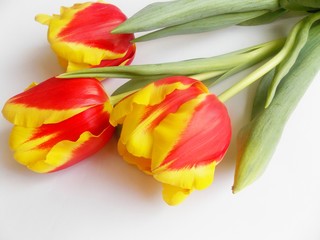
104, 198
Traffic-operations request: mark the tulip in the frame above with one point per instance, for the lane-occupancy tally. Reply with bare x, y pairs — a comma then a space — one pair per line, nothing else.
176, 131
80, 36
58, 123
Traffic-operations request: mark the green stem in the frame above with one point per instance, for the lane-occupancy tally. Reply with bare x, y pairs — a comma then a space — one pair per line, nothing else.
207, 75
261, 71
251, 56
284, 67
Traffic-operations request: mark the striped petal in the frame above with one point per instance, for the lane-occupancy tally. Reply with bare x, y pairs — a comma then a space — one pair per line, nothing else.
190, 143
178, 128
184, 181
52, 147
125, 60
144, 164
153, 94
139, 123
206, 131
81, 35
53, 100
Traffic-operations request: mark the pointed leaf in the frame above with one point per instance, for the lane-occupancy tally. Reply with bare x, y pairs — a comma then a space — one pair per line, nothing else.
300, 5
166, 14
284, 67
258, 140
201, 25
265, 18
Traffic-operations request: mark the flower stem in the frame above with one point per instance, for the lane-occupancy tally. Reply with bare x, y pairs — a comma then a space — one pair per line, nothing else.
207, 75
261, 71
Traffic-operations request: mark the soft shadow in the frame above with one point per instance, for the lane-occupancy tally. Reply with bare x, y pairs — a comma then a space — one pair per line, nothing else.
36, 65
126, 176
7, 160
46, 62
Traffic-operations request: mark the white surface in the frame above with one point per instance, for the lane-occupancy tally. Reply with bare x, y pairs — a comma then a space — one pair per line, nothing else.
104, 198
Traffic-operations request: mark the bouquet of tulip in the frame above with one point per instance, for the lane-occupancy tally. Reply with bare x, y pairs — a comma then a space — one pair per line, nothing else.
171, 126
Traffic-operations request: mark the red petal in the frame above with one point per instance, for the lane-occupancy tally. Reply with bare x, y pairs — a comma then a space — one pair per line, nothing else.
125, 60
206, 138
93, 120
90, 147
170, 104
92, 26
61, 94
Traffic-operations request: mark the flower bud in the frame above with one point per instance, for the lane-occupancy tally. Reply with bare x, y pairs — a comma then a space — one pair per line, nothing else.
176, 131
58, 123
80, 36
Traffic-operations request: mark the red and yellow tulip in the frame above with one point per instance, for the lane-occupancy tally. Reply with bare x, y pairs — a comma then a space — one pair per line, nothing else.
80, 36
58, 123
176, 131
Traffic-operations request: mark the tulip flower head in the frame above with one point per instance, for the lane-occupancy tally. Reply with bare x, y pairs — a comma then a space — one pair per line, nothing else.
176, 131
80, 36
58, 123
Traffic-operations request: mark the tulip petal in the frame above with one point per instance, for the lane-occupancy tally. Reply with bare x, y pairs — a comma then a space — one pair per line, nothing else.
121, 61
67, 153
196, 177
139, 123
187, 155
81, 34
176, 131
174, 195
79, 54
53, 100
135, 131
59, 145
152, 94
187, 144
142, 163
125, 60
168, 132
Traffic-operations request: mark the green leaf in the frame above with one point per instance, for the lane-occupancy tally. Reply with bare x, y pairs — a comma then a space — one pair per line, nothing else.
261, 94
258, 140
268, 17
166, 14
264, 69
202, 25
284, 67
300, 5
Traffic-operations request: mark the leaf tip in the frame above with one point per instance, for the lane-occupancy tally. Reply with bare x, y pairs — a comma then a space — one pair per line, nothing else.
236, 188
122, 28
268, 102
116, 31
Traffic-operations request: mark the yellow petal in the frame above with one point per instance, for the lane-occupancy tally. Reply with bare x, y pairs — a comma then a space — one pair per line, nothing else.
150, 95
170, 130
43, 151
144, 164
23, 115
43, 19
72, 66
66, 151
174, 195
80, 53
197, 177
26, 150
